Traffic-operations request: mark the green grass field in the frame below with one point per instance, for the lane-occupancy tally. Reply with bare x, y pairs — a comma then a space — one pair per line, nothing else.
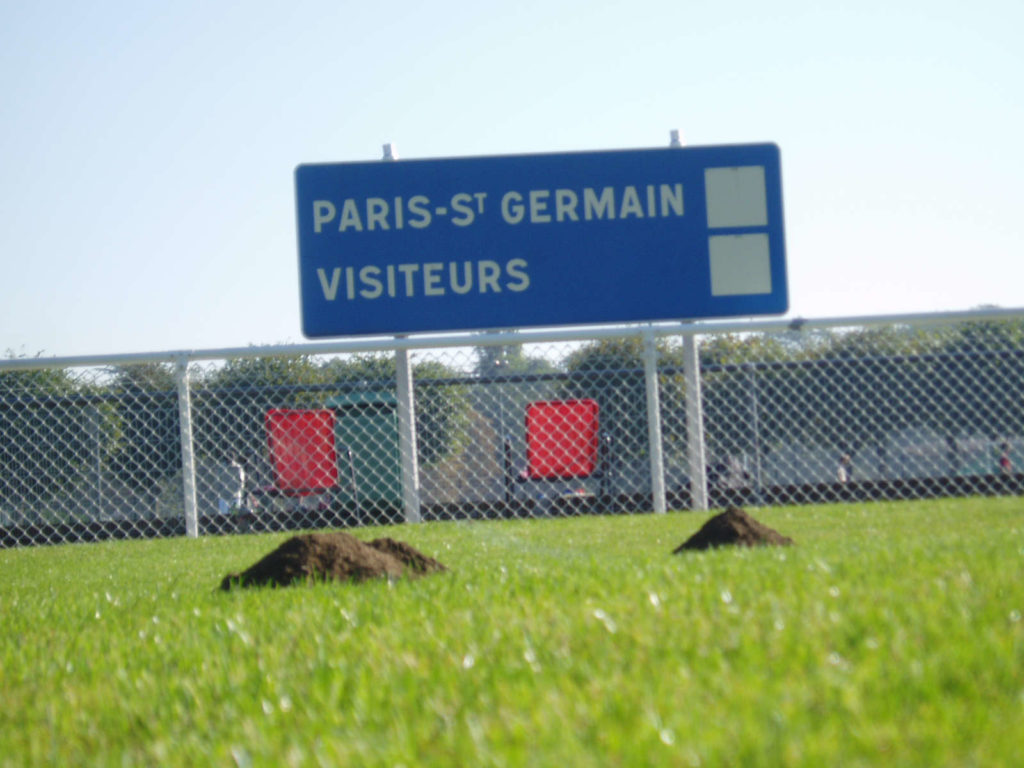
891, 634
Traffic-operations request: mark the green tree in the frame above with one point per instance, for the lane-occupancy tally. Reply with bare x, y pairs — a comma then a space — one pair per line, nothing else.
741, 375
840, 390
442, 411
50, 433
871, 383
442, 404
981, 383
148, 446
507, 359
231, 402
612, 372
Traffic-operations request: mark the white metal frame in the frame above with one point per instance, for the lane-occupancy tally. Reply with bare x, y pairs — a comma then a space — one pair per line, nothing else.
648, 334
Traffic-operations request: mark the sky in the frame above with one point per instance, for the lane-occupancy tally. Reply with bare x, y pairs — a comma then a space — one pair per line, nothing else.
147, 150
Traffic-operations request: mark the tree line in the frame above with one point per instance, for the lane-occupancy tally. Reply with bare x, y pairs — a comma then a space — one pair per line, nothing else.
841, 390
837, 390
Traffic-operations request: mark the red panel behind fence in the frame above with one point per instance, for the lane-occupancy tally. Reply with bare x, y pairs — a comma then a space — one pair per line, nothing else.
302, 450
561, 439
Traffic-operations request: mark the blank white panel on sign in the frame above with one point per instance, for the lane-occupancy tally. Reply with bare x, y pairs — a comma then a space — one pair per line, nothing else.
740, 265
736, 196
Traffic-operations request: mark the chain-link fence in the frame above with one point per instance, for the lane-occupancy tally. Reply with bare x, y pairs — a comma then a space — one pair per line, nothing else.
511, 425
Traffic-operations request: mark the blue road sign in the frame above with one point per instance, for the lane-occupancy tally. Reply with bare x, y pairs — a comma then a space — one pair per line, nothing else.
540, 240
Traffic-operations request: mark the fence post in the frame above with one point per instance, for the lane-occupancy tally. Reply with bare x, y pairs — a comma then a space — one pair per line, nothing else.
95, 433
406, 416
654, 422
755, 423
407, 437
694, 424
188, 463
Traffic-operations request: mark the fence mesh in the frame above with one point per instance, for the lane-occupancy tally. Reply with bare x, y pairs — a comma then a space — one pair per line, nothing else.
304, 441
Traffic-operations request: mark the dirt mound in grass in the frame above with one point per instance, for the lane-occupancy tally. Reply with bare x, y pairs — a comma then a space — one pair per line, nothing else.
734, 527
334, 556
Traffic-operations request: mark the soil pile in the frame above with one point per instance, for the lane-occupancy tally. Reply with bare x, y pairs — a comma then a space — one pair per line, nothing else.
334, 556
733, 527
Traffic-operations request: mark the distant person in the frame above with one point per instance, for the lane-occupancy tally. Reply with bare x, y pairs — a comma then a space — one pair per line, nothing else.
1005, 465
844, 473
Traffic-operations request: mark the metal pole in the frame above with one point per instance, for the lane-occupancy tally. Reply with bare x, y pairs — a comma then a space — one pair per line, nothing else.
406, 417
547, 336
407, 437
188, 463
95, 437
694, 409
694, 425
504, 445
654, 422
755, 421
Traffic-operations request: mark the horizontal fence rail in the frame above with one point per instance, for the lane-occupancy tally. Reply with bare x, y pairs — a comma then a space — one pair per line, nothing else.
507, 424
